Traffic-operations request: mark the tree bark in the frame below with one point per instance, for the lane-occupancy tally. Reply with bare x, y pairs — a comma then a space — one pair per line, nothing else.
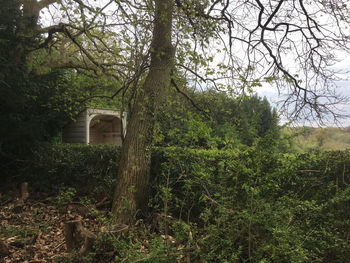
76, 236
24, 191
4, 250
25, 29
131, 193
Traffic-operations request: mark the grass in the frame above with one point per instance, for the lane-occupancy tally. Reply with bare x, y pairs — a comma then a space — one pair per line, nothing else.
309, 138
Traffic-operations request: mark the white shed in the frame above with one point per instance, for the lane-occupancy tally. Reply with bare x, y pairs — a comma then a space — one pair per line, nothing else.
96, 126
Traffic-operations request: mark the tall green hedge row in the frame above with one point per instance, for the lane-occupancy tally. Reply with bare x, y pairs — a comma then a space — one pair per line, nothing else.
252, 205
259, 206
89, 169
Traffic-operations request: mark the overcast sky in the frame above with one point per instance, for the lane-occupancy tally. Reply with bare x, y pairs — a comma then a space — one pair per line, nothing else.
269, 92
343, 87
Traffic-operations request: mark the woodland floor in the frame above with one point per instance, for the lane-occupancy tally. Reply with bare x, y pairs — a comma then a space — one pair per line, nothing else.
33, 230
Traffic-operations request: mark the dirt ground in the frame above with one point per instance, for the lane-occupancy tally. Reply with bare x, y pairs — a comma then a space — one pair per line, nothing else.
33, 230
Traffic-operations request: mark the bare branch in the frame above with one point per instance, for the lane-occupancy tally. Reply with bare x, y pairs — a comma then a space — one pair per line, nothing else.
173, 82
45, 3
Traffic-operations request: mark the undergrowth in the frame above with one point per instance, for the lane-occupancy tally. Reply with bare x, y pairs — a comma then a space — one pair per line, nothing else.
251, 205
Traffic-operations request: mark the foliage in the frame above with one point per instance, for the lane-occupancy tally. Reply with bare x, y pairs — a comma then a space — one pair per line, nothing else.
251, 117
305, 139
37, 100
35, 105
66, 195
225, 123
252, 204
35, 108
240, 205
200, 30
258, 206
81, 168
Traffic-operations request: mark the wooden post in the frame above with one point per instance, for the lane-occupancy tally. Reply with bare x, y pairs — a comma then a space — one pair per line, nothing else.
24, 191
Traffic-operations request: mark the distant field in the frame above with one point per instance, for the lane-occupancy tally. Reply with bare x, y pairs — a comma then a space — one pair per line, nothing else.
309, 138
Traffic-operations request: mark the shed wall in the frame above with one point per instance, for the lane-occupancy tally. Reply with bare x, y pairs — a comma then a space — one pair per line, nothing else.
96, 126
75, 132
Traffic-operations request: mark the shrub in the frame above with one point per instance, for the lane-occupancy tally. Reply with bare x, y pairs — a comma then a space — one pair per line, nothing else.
259, 206
225, 205
88, 169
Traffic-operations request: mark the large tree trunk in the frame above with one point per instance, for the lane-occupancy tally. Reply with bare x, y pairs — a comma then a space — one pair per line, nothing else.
131, 193
26, 34
24, 15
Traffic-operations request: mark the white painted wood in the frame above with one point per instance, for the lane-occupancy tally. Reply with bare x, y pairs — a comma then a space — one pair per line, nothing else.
105, 130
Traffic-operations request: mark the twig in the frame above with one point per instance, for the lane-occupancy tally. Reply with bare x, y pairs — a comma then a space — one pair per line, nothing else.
188, 98
60, 244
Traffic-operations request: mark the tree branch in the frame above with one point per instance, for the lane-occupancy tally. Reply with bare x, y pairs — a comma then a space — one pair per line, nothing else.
188, 98
45, 3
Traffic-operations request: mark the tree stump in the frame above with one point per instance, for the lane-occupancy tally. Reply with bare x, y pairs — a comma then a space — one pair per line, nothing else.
24, 191
77, 237
4, 250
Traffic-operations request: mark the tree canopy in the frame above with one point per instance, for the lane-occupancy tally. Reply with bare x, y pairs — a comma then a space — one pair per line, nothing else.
228, 45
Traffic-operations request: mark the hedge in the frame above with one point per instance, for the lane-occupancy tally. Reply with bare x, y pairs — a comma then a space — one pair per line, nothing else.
89, 169
239, 205
260, 206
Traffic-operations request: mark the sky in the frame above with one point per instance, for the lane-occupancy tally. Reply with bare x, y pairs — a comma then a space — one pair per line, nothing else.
343, 87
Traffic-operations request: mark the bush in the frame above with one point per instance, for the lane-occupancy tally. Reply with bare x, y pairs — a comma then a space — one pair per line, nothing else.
259, 206
225, 205
88, 169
